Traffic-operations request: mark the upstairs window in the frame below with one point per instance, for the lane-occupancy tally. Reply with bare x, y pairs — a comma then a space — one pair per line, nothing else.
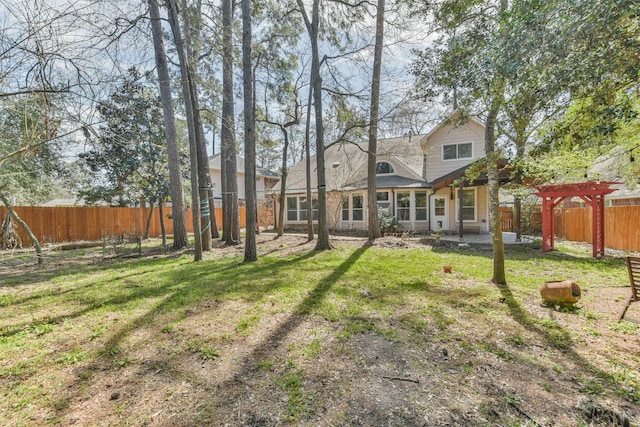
383, 168
463, 150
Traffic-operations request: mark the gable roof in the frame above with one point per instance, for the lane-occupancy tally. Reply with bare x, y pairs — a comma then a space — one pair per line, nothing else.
450, 121
346, 165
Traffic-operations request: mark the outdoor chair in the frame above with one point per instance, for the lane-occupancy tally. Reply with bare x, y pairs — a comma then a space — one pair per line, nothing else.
633, 266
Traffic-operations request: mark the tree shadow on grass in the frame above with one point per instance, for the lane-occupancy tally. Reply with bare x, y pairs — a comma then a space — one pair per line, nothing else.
555, 336
174, 303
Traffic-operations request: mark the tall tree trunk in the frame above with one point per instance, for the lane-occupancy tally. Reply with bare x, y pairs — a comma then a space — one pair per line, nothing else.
307, 152
204, 174
230, 210
312, 25
180, 237
250, 250
374, 226
193, 148
25, 226
499, 276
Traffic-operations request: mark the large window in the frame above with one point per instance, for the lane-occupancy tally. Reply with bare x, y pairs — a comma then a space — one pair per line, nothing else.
457, 151
353, 207
403, 205
468, 204
297, 208
421, 205
383, 168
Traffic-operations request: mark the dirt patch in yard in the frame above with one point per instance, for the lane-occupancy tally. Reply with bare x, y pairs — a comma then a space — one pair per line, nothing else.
403, 368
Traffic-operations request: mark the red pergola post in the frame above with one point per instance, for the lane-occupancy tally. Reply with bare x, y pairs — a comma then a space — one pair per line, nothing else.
548, 222
597, 223
591, 192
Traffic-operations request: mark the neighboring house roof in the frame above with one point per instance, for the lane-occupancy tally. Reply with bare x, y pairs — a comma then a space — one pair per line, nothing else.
612, 168
214, 164
64, 202
346, 165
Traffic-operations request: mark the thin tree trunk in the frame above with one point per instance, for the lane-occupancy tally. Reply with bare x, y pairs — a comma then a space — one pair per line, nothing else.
372, 204
204, 175
230, 210
250, 250
180, 237
283, 182
163, 229
499, 275
193, 149
149, 218
312, 25
25, 226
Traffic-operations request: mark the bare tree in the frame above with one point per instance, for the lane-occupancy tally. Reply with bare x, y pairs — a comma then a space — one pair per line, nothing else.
180, 238
313, 24
372, 203
186, 81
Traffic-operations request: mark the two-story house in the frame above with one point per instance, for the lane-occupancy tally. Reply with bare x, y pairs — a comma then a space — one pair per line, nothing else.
265, 180
417, 182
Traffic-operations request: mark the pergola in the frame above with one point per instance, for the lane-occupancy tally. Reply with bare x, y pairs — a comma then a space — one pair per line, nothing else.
591, 192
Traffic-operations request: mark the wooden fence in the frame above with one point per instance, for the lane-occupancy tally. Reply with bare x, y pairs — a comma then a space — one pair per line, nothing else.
531, 219
70, 224
621, 227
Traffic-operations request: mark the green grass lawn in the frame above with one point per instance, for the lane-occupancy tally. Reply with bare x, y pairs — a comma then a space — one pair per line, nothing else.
166, 341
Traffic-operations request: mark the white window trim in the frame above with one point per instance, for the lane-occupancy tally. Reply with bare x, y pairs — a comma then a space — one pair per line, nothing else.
473, 154
351, 208
390, 164
475, 205
411, 208
299, 210
415, 206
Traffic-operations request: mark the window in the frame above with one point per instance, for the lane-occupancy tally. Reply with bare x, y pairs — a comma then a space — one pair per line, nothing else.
438, 206
457, 151
345, 208
297, 208
421, 205
292, 208
384, 168
382, 200
468, 205
358, 204
404, 206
